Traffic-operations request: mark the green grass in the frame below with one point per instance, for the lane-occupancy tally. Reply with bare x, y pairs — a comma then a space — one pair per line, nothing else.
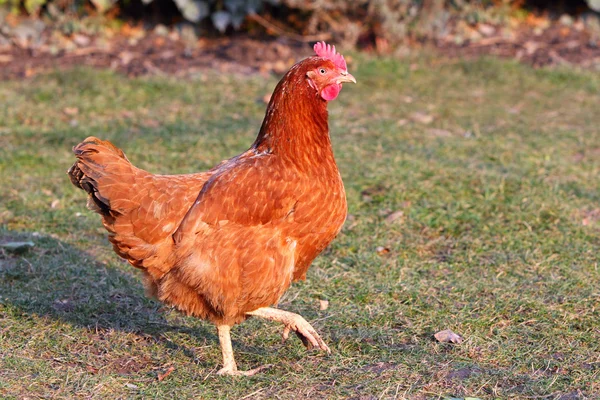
498, 241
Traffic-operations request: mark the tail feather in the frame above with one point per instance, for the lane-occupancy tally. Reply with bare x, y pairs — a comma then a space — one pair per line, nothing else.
105, 173
139, 210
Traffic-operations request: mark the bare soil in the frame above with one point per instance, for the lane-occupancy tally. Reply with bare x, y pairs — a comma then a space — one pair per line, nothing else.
558, 44
159, 55
171, 55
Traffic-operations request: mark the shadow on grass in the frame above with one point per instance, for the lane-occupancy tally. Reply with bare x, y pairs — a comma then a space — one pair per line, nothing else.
59, 281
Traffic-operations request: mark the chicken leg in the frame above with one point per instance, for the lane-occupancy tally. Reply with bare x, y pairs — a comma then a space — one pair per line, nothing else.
229, 365
292, 322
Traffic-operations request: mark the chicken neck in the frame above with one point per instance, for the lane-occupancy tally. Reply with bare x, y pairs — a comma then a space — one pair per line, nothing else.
296, 126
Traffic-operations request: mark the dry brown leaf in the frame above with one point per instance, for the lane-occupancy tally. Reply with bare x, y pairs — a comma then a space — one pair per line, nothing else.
396, 216
323, 305
161, 377
447, 336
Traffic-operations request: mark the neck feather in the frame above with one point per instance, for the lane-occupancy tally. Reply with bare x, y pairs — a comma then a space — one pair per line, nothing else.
296, 122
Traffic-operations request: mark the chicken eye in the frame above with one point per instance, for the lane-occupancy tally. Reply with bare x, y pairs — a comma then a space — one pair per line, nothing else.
322, 71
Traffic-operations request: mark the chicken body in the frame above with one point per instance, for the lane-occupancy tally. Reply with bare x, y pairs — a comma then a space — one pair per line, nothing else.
226, 244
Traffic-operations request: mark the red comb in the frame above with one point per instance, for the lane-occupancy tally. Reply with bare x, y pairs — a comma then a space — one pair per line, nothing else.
328, 51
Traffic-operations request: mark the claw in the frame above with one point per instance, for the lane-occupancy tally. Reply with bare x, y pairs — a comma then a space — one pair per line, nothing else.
286, 333
307, 334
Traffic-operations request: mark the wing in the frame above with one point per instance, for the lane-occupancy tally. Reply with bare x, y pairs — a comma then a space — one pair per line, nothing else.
247, 190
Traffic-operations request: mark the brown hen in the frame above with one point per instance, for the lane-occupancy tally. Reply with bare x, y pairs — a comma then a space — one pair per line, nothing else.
225, 244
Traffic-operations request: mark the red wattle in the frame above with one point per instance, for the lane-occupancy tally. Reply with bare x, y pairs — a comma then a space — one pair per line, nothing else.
330, 92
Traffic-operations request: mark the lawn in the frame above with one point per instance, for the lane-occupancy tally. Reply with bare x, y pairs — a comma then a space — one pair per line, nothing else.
474, 202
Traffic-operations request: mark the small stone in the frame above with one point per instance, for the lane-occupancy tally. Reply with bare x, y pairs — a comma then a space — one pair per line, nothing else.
17, 247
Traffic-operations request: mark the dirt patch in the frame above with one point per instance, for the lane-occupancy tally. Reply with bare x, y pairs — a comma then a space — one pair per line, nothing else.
558, 44
157, 55
136, 52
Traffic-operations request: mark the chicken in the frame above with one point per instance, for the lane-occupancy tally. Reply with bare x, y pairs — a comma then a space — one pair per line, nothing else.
226, 244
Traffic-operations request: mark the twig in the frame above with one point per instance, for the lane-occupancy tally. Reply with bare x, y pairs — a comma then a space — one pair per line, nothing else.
252, 394
280, 31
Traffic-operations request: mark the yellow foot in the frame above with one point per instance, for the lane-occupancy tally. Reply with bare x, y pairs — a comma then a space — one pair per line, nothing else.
233, 371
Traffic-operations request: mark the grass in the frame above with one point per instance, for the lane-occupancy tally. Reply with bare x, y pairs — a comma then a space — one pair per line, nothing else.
498, 238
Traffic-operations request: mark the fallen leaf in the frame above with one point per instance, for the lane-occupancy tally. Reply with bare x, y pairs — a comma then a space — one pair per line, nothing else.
323, 305
447, 336
131, 386
55, 203
167, 373
396, 216
382, 250
71, 111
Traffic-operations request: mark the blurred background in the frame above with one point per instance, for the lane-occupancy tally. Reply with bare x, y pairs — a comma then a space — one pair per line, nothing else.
175, 36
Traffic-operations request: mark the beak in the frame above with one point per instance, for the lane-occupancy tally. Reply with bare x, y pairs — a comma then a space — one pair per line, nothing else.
345, 77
